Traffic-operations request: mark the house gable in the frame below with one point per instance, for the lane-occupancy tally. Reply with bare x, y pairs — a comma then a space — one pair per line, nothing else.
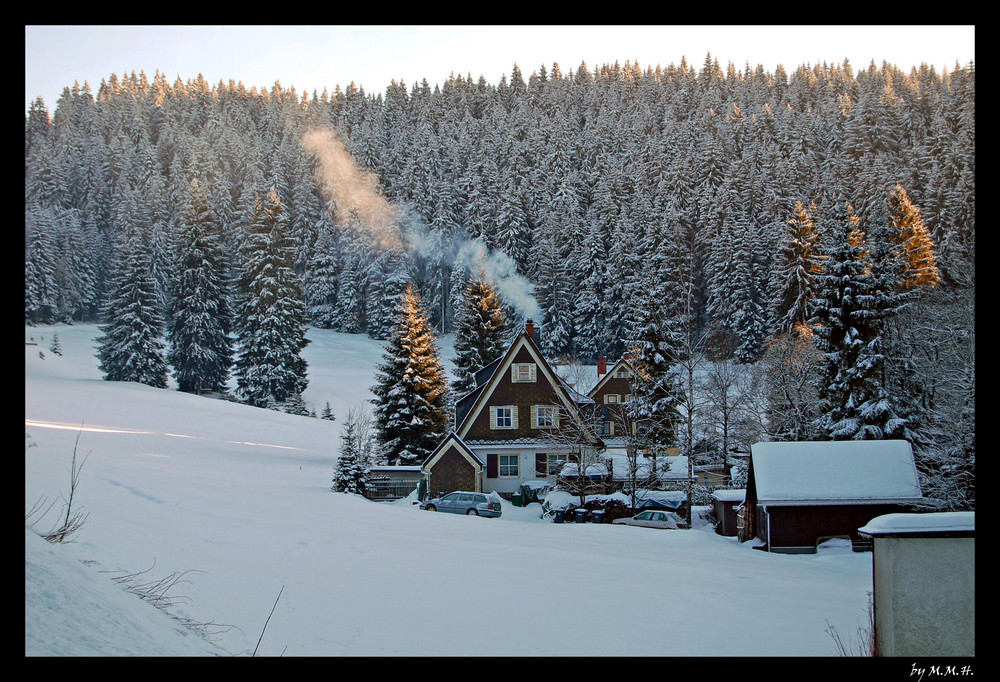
610, 395
515, 402
453, 466
617, 381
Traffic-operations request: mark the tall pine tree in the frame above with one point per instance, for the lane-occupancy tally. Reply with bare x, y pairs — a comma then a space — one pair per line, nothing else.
411, 393
798, 267
201, 351
655, 351
270, 371
850, 310
131, 348
911, 242
480, 332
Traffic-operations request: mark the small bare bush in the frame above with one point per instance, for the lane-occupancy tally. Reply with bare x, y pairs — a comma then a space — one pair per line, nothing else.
865, 644
72, 519
157, 591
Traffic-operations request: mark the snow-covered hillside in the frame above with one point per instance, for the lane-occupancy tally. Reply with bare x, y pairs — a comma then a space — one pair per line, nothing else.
234, 503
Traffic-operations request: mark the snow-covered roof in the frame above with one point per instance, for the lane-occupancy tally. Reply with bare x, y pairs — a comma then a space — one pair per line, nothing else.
729, 495
835, 472
663, 495
932, 522
670, 467
572, 469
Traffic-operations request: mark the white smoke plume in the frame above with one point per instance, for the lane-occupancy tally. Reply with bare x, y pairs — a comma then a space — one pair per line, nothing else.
356, 192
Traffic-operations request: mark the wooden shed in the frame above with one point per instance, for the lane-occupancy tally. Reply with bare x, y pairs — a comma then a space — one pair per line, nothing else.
724, 505
800, 494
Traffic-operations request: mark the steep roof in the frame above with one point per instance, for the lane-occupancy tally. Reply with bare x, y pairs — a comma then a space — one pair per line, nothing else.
452, 442
610, 374
834, 472
470, 405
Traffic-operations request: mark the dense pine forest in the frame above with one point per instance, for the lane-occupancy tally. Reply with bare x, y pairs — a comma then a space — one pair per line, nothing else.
728, 193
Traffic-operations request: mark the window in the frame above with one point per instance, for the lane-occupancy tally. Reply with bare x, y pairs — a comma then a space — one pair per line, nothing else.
623, 373
503, 417
605, 429
546, 416
508, 465
523, 372
612, 399
556, 462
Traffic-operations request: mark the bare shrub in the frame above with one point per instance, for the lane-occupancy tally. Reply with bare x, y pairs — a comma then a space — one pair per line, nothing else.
72, 519
865, 644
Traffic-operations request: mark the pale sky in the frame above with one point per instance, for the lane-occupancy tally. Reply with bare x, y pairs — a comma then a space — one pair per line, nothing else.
313, 57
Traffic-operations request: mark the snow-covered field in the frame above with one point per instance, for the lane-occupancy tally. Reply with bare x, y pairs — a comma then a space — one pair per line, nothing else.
232, 505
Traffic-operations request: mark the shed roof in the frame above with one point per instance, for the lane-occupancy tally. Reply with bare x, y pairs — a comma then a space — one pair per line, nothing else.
730, 495
835, 472
921, 524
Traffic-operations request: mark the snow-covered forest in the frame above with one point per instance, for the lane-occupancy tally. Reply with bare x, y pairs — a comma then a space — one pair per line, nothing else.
588, 188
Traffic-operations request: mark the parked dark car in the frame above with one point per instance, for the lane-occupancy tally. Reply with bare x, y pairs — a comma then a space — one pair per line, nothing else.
653, 518
464, 502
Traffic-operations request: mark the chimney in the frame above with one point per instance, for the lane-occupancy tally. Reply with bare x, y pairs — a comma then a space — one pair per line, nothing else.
602, 366
529, 329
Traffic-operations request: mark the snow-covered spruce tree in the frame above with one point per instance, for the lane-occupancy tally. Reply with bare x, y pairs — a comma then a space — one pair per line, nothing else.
131, 347
799, 264
320, 278
269, 369
388, 280
911, 242
411, 393
354, 459
850, 308
480, 332
40, 286
655, 348
328, 413
750, 318
201, 351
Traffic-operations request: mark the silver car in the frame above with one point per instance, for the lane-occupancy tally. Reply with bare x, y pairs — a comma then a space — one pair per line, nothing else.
463, 502
653, 518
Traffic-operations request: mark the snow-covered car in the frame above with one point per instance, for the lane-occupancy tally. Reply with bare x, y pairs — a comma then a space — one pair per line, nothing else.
464, 502
653, 518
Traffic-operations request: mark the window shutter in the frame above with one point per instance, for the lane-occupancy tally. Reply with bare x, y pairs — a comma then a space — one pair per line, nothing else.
534, 416
492, 466
493, 417
534, 372
513, 417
